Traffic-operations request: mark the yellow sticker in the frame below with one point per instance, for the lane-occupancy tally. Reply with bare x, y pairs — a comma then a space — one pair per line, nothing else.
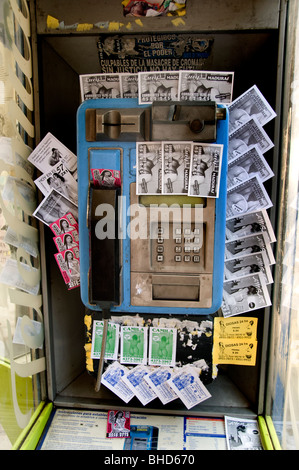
114, 25
178, 22
84, 27
238, 352
237, 328
52, 23
139, 22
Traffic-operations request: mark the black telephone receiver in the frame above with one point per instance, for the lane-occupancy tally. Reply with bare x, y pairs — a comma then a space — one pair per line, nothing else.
104, 255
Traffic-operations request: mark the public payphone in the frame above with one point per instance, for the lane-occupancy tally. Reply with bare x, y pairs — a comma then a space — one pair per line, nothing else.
139, 252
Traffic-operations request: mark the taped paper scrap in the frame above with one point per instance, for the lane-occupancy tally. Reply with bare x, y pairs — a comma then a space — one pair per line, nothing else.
52, 23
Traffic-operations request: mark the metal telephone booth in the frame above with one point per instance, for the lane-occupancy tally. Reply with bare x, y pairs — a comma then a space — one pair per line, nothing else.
246, 38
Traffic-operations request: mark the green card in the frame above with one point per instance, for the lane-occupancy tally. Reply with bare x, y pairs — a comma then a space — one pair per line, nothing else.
112, 340
162, 346
133, 345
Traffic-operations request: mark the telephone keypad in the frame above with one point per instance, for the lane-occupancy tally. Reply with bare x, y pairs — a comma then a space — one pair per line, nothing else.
179, 246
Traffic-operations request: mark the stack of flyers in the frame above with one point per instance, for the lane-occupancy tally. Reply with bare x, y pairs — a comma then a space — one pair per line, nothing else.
150, 86
178, 168
148, 383
249, 234
161, 378
248, 143
235, 341
58, 181
67, 242
248, 259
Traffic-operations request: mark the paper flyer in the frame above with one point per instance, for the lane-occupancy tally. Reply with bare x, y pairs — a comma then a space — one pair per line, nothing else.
118, 424
162, 346
112, 340
237, 327
239, 352
133, 345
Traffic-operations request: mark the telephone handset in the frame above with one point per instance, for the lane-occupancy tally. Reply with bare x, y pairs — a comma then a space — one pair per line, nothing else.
104, 254
178, 273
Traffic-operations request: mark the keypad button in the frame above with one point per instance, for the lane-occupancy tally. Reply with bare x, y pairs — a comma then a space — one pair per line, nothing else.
160, 249
178, 240
178, 258
160, 258
187, 258
178, 249
196, 259
187, 249
160, 240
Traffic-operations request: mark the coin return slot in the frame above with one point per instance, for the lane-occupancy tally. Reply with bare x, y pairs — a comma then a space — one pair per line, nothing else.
177, 288
173, 293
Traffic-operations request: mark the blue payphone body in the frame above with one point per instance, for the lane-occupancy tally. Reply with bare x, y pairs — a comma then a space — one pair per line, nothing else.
148, 288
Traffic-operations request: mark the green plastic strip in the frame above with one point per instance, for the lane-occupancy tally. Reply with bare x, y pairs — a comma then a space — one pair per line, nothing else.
272, 432
26, 430
34, 435
265, 436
